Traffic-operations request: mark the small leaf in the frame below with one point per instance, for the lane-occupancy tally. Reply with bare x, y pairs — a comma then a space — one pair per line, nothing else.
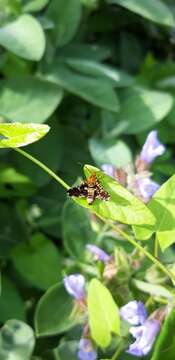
16, 341
34, 5
38, 261
103, 313
122, 206
54, 312
16, 135
24, 37
165, 344
154, 10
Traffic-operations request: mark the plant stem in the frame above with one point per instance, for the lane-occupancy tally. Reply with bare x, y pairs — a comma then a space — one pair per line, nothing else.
44, 167
156, 247
119, 350
139, 247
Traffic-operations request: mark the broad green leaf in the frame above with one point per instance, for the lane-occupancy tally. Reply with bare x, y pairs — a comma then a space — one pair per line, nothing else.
92, 68
38, 261
143, 109
16, 135
76, 228
162, 205
24, 37
153, 289
110, 151
97, 90
11, 304
34, 101
66, 17
165, 344
122, 206
104, 318
54, 312
155, 10
16, 341
34, 5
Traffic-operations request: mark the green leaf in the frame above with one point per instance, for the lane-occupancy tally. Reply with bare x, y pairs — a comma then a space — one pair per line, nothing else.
54, 312
153, 289
104, 318
165, 344
162, 205
76, 237
38, 261
24, 37
16, 341
34, 101
34, 5
67, 350
110, 151
97, 90
11, 304
155, 10
122, 206
66, 17
143, 109
16, 135
92, 68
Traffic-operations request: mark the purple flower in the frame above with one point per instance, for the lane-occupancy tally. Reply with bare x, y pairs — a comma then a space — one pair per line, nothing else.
151, 148
99, 253
108, 170
134, 312
145, 336
75, 285
86, 350
146, 188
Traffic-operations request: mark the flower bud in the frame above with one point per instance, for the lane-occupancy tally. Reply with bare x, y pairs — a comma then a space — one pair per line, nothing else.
75, 286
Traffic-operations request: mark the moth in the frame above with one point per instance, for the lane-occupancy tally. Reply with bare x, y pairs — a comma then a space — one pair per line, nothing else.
91, 189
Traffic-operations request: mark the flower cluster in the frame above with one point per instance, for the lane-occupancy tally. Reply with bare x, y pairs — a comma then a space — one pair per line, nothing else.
140, 182
135, 313
143, 329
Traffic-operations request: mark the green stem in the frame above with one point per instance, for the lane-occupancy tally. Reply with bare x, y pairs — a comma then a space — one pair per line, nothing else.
119, 350
139, 247
116, 228
156, 247
44, 167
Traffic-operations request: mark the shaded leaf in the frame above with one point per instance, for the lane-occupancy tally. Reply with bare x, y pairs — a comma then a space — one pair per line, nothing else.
11, 304
54, 312
31, 99
38, 261
165, 344
155, 10
66, 17
97, 90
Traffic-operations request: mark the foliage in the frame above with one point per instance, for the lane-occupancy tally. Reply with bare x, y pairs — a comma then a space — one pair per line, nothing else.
95, 77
